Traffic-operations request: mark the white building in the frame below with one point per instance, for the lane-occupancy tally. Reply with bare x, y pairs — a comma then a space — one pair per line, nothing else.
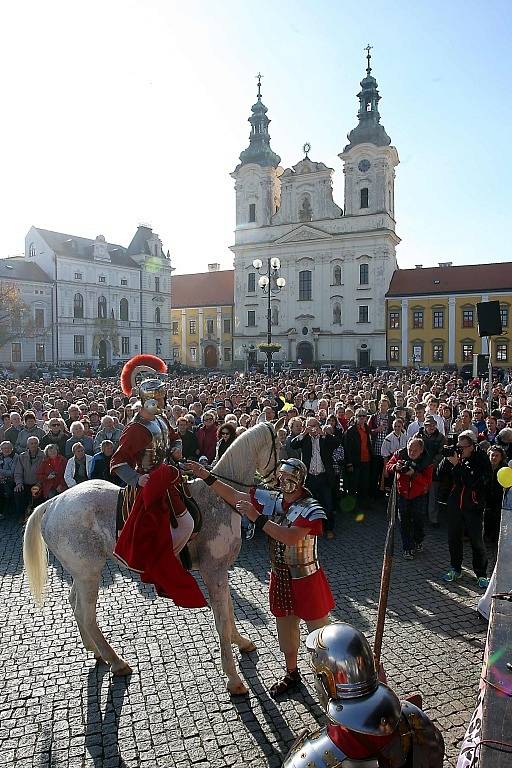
109, 302
337, 264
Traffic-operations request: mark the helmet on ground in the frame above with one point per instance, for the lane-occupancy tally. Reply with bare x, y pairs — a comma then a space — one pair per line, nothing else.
138, 378
292, 474
347, 683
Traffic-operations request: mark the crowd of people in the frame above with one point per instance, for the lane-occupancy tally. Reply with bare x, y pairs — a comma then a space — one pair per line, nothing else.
438, 437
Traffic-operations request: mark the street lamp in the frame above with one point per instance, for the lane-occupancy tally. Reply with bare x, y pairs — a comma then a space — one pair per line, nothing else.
271, 284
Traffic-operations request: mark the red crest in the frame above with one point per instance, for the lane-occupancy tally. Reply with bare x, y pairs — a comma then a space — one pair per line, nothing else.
148, 362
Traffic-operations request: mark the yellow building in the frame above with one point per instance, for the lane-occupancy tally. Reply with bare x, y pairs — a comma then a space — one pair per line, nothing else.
202, 309
431, 317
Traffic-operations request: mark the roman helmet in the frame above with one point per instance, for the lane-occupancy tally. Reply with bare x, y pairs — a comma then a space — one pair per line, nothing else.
347, 683
292, 474
138, 378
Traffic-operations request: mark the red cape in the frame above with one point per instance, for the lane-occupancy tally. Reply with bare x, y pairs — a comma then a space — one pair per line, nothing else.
145, 543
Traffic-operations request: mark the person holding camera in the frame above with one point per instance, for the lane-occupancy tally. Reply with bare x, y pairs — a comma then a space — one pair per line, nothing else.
469, 471
413, 469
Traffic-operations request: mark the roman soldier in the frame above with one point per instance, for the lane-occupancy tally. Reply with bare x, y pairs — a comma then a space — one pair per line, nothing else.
156, 512
368, 727
292, 519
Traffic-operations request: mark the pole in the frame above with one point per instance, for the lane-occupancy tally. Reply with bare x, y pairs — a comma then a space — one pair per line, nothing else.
385, 578
489, 394
269, 321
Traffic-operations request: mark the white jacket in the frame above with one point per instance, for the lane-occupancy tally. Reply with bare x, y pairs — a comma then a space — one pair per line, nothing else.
70, 470
391, 444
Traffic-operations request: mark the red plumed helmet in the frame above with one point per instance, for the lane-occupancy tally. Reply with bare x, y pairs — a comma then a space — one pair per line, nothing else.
139, 364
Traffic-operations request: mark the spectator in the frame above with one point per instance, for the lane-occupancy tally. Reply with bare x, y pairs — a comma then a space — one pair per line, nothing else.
78, 436
358, 455
226, 435
190, 447
490, 433
8, 461
50, 475
415, 426
434, 442
478, 420
295, 427
433, 410
74, 414
379, 425
25, 474
107, 431
56, 435
413, 470
464, 422
395, 441
207, 436
78, 467
494, 496
470, 473
29, 430
100, 465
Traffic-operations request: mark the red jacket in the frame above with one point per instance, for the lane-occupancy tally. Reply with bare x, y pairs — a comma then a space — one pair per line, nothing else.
54, 466
411, 486
207, 441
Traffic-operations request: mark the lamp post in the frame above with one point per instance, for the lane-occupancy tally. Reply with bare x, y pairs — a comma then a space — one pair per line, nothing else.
271, 284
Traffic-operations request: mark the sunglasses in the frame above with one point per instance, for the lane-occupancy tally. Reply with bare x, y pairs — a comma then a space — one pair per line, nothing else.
225, 434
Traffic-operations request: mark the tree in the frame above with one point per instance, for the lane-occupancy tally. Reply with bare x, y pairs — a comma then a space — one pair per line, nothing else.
16, 320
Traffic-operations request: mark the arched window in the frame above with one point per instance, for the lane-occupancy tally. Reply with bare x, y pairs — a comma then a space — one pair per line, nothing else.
305, 210
102, 307
32, 250
123, 309
364, 274
364, 197
305, 285
157, 315
336, 314
336, 275
275, 314
78, 305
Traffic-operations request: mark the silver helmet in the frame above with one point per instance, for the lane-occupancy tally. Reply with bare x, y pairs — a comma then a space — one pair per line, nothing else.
346, 681
292, 474
152, 393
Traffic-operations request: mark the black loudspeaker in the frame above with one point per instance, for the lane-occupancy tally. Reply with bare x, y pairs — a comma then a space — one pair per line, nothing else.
489, 318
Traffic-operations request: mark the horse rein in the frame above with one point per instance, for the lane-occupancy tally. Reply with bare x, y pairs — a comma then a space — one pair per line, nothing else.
273, 454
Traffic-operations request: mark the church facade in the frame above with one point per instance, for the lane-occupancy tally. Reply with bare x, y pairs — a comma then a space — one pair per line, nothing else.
337, 262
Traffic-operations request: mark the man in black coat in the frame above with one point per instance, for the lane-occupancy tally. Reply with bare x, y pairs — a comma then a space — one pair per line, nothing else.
358, 457
316, 452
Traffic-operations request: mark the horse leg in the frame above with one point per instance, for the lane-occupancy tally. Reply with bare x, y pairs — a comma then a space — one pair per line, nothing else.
218, 589
87, 596
86, 640
245, 644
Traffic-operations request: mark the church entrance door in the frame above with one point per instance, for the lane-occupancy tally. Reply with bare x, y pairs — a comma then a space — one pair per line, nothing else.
210, 356
104, 353
305, 353
363, 358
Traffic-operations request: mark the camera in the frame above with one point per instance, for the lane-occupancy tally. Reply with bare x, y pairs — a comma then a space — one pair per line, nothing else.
405, 465
451, 449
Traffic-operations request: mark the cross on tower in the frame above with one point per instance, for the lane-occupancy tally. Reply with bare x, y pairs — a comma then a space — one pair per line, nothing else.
368, 57
258, 78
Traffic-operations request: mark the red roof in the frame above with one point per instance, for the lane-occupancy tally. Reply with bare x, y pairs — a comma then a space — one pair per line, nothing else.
470, 278
204, 289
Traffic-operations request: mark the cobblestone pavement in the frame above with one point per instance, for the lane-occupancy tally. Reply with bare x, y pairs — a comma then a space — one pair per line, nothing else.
58, 709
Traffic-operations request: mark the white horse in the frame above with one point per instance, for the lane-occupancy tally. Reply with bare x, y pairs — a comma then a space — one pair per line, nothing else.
79, 528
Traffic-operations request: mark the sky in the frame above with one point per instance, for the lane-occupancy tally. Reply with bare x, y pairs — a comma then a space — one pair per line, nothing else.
118, 112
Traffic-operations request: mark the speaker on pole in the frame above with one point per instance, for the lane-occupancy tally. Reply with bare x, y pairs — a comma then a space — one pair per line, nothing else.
489, 318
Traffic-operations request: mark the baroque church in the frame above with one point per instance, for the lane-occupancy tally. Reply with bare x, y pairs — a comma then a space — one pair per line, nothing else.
337, 262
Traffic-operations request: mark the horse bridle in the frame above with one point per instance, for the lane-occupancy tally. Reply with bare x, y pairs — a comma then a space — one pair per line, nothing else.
268, 475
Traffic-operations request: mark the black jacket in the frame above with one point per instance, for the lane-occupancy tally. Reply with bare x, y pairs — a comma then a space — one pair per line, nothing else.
190, 447
328, 443
353, 445
469, 480
60, 441
433, 444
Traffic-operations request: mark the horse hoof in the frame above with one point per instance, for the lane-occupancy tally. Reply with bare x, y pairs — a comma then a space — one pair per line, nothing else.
122, 671
237, 689
249, 648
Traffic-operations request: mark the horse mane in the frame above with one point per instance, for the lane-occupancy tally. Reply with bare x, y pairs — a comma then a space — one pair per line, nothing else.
233, 464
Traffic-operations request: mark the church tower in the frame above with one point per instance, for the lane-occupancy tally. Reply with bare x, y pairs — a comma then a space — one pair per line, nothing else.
369, 159
257, 185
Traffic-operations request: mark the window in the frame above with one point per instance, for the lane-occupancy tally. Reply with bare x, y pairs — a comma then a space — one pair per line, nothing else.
79, 345
39, 353
468, 319
193, 354
252, 212
336, 275
364, 275
78, 275
274, 314
102, 307
394, 353
305, 285
438, 353
251, 318
363, 314
364, 197
504, 317
175, 353
124, 281
16, 352
394, 319
125, 345
502, 352
467, 352
78, 305
227, 354
336, 314
102, 279
32, 250
175, 328
417, 353
251, 282
158, 346
39, 317
227, 325
192, 327
157, 316
417, 318
438, 318
157, 285
123, 309
210, 325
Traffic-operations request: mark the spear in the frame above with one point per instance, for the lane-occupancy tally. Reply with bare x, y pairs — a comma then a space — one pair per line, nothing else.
385, 578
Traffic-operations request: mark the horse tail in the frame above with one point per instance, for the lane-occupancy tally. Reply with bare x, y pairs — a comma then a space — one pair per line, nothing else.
35, 555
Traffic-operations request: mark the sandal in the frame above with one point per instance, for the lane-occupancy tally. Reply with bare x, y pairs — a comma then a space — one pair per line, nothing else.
288, 683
